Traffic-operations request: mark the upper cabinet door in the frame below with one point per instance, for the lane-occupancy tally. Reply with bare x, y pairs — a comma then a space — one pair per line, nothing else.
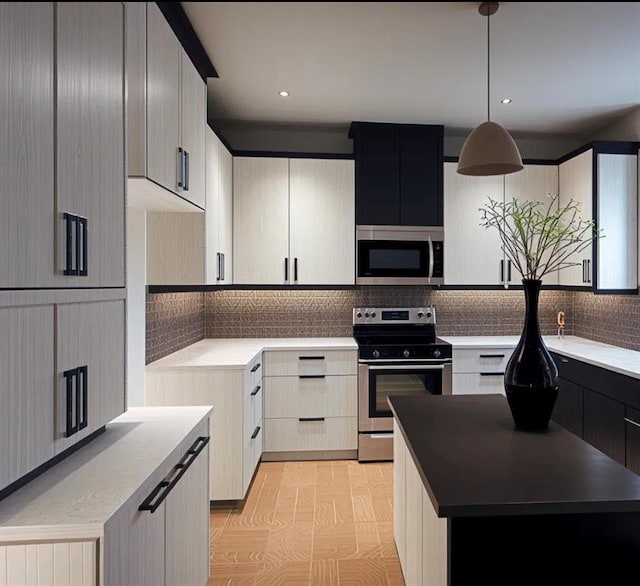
576, 182
322, 221
617, 216
473, 254
225, 215
533, 183
90, 140
212, 215
27, 217
164, 56
261, 221
194, 120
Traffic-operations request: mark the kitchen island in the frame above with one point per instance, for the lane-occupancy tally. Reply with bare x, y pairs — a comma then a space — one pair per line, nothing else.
477, 502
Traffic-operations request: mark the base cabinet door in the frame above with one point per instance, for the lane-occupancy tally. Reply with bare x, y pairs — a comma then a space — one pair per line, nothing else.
632, 425
569, 407
604, 424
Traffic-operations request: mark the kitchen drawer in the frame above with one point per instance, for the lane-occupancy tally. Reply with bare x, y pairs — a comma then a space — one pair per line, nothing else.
252, 382
481, 360
298, 396
252, 452
294, 363
477, 384
293, 435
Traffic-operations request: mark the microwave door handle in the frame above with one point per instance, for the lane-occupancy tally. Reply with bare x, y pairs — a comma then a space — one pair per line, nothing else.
409, 367
430, 258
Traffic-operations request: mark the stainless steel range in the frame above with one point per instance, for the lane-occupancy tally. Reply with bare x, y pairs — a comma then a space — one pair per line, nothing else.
398, 354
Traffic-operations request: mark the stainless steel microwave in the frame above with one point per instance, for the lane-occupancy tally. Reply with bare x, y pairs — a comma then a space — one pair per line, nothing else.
399, 255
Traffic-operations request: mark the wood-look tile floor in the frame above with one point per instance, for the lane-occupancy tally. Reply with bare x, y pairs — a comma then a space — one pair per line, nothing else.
321, 523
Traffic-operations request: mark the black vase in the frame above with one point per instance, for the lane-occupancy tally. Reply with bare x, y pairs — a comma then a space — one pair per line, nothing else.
531, 376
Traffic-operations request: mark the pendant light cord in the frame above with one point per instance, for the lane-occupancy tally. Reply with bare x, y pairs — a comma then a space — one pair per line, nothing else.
488, 67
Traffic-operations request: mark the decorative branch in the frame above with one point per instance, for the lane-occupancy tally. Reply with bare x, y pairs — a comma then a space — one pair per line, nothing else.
540, 239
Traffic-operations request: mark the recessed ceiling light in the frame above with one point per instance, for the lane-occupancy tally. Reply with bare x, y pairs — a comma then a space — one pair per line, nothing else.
284, 93
505, 101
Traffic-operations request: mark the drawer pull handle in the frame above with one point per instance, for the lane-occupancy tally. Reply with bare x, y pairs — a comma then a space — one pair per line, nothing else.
255, 367
311, 376
303, 419
311, 357
491, 355
255, 433
255, 391
564, 361
160, 492
632, 422
492, 374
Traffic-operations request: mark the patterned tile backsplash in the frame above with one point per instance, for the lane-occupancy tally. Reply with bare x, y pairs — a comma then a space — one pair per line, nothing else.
174, 320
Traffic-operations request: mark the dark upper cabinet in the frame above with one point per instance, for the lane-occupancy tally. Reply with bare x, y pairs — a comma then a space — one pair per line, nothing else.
399, 171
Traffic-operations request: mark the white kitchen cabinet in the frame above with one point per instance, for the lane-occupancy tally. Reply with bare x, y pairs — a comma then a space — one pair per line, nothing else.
63, 150
310, 403
293, 221
236, 423
219, 212
576, 182
479, 371
129, 508
473, 254
166, 116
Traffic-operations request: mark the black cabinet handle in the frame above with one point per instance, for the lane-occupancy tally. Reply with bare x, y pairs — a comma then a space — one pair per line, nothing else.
502, 271
311, 376
492, 374
160, 492
77, 245
255, 367
218, 270
70, 221
223, 268
295, 269
255, 391
310, 357
509, 271
82, 243
303, 419
186, 170
71, 425
491, 355
286, 269
255, 433
180, 167
77, 396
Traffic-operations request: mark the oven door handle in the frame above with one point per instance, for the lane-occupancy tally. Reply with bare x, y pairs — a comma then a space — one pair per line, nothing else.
409, 367
431, 259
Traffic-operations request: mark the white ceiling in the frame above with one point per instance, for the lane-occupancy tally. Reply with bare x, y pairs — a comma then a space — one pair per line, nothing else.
569, 67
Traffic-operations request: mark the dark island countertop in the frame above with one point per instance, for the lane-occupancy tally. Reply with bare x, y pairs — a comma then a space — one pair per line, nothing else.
474, 463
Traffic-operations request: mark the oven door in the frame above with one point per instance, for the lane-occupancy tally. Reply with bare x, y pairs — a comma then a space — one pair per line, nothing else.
380, 380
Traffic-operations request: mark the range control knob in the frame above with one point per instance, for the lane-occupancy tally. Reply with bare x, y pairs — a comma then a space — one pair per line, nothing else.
406, 353
359, 314
376, 354
429, 314
373, 314
366, 314
421, 314
437, 353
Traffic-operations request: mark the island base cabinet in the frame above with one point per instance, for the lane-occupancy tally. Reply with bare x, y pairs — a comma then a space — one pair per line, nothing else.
49, 564
632, 423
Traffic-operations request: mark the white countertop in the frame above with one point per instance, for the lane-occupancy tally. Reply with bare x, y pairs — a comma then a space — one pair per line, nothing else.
77, 496
239, 352
612, 358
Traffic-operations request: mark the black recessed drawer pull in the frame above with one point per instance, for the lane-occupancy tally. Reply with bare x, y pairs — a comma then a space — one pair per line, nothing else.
492, 374
256, 391
160, 492
311, 376
311, 357
632, 422
303, 419
255, 433
491, 355
256, 367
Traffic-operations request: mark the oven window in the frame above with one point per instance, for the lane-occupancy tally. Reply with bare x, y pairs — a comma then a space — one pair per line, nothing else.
388, 383
393, 258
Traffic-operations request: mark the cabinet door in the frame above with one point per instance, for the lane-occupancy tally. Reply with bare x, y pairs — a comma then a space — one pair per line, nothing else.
322, 225
421, 175
618, 218
26, 145
575, 178
377, 149
225, 215
194, 121
92, 335
26, 390
90, 135
212, 214
187, 527
604, 425
473, 254
164, 56
568, 410
261, 221
533, 183
632, 422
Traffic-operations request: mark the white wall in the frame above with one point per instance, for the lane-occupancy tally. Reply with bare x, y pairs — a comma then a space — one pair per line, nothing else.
136, 305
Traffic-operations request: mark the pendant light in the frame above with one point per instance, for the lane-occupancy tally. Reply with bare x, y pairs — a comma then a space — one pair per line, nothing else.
489, 149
